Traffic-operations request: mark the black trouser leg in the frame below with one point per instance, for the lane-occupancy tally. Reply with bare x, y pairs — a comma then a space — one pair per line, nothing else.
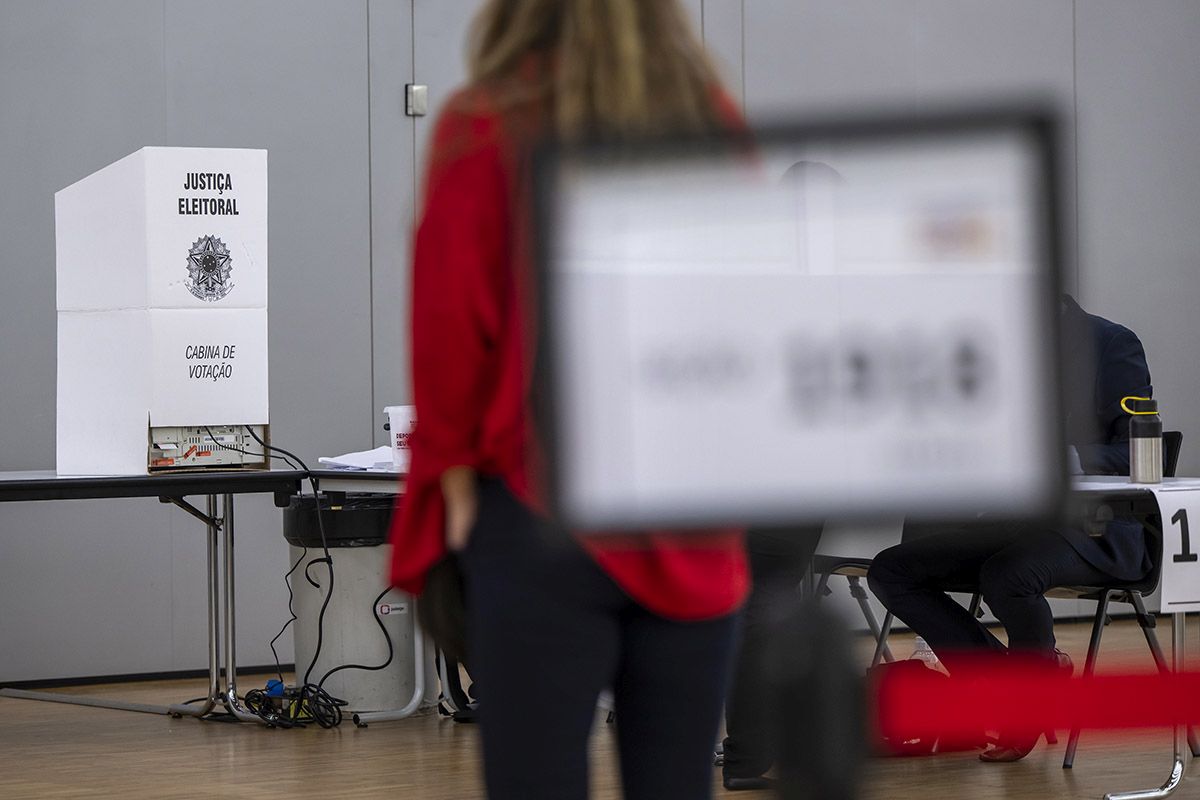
1015, 579
1013, 569
542, 638
910, 579
547, 631
779, 560
670, 686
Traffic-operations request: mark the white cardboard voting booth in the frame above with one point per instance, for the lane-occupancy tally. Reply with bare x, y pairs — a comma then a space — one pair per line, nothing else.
162, 307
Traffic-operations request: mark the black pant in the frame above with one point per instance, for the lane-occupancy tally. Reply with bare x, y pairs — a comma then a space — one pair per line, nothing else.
1013, 568
779, 560
547, 630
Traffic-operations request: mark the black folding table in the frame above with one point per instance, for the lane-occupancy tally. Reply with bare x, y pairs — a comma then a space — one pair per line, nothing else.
172, 488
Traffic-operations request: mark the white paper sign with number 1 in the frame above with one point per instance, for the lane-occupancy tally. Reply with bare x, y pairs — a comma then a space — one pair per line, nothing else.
1180, 583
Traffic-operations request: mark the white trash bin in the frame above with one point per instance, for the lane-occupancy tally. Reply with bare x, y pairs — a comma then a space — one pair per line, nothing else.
356, 533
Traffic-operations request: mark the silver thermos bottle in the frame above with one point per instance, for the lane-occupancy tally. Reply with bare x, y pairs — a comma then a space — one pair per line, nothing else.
1145, 440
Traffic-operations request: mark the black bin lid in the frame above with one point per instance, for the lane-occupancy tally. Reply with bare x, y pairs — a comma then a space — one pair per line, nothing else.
359, 520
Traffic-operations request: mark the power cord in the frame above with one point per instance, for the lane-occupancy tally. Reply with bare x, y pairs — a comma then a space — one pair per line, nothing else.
287, 581
386, 637
313, 697
288, 457
309, 702
291, 461
280, 707
213, 438
327, 558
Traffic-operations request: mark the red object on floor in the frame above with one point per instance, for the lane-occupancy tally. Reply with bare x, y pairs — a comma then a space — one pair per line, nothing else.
1015, 696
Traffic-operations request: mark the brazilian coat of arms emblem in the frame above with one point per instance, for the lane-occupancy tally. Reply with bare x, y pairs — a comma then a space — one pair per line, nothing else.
209, 268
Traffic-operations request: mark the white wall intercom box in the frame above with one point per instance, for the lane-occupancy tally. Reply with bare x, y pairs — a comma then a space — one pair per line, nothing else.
162, 312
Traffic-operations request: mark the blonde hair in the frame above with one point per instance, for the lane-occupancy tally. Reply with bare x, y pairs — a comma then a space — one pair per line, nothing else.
607, 67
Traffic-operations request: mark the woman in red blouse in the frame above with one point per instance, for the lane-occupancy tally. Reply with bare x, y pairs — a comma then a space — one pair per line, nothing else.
553, 619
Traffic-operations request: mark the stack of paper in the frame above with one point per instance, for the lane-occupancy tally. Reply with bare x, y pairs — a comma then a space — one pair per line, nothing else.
379, 459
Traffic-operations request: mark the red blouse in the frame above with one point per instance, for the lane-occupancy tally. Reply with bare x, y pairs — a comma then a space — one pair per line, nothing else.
472, 340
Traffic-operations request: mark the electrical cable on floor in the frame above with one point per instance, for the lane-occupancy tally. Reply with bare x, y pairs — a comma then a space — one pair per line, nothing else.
312, 704
327, 557
309, 702
288, 458
296, 708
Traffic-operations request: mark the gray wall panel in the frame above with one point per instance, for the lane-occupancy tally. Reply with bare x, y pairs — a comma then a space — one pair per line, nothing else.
87, 589
262, 560
972, 49
975, 52
393, 189
291, 77
83, 84
1139, 188
86, 586
319, 84
439, 57
811, 57
802, 55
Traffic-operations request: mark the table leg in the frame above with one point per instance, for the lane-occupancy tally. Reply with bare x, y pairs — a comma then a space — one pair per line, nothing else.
214, 668
230, 697
1178, 626
214, 676
220, 534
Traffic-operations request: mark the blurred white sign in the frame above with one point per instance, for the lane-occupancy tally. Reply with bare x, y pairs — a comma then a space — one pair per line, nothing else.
854, 323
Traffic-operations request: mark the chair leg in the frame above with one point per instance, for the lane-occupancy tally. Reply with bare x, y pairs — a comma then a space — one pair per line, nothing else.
881, 648
822, 586
864, 603
976, 607
1146, 622
1089, 666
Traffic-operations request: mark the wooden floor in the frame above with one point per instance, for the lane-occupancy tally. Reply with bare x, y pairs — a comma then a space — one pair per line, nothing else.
51, 750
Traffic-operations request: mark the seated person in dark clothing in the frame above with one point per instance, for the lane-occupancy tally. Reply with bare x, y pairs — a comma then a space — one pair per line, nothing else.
1013, 566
